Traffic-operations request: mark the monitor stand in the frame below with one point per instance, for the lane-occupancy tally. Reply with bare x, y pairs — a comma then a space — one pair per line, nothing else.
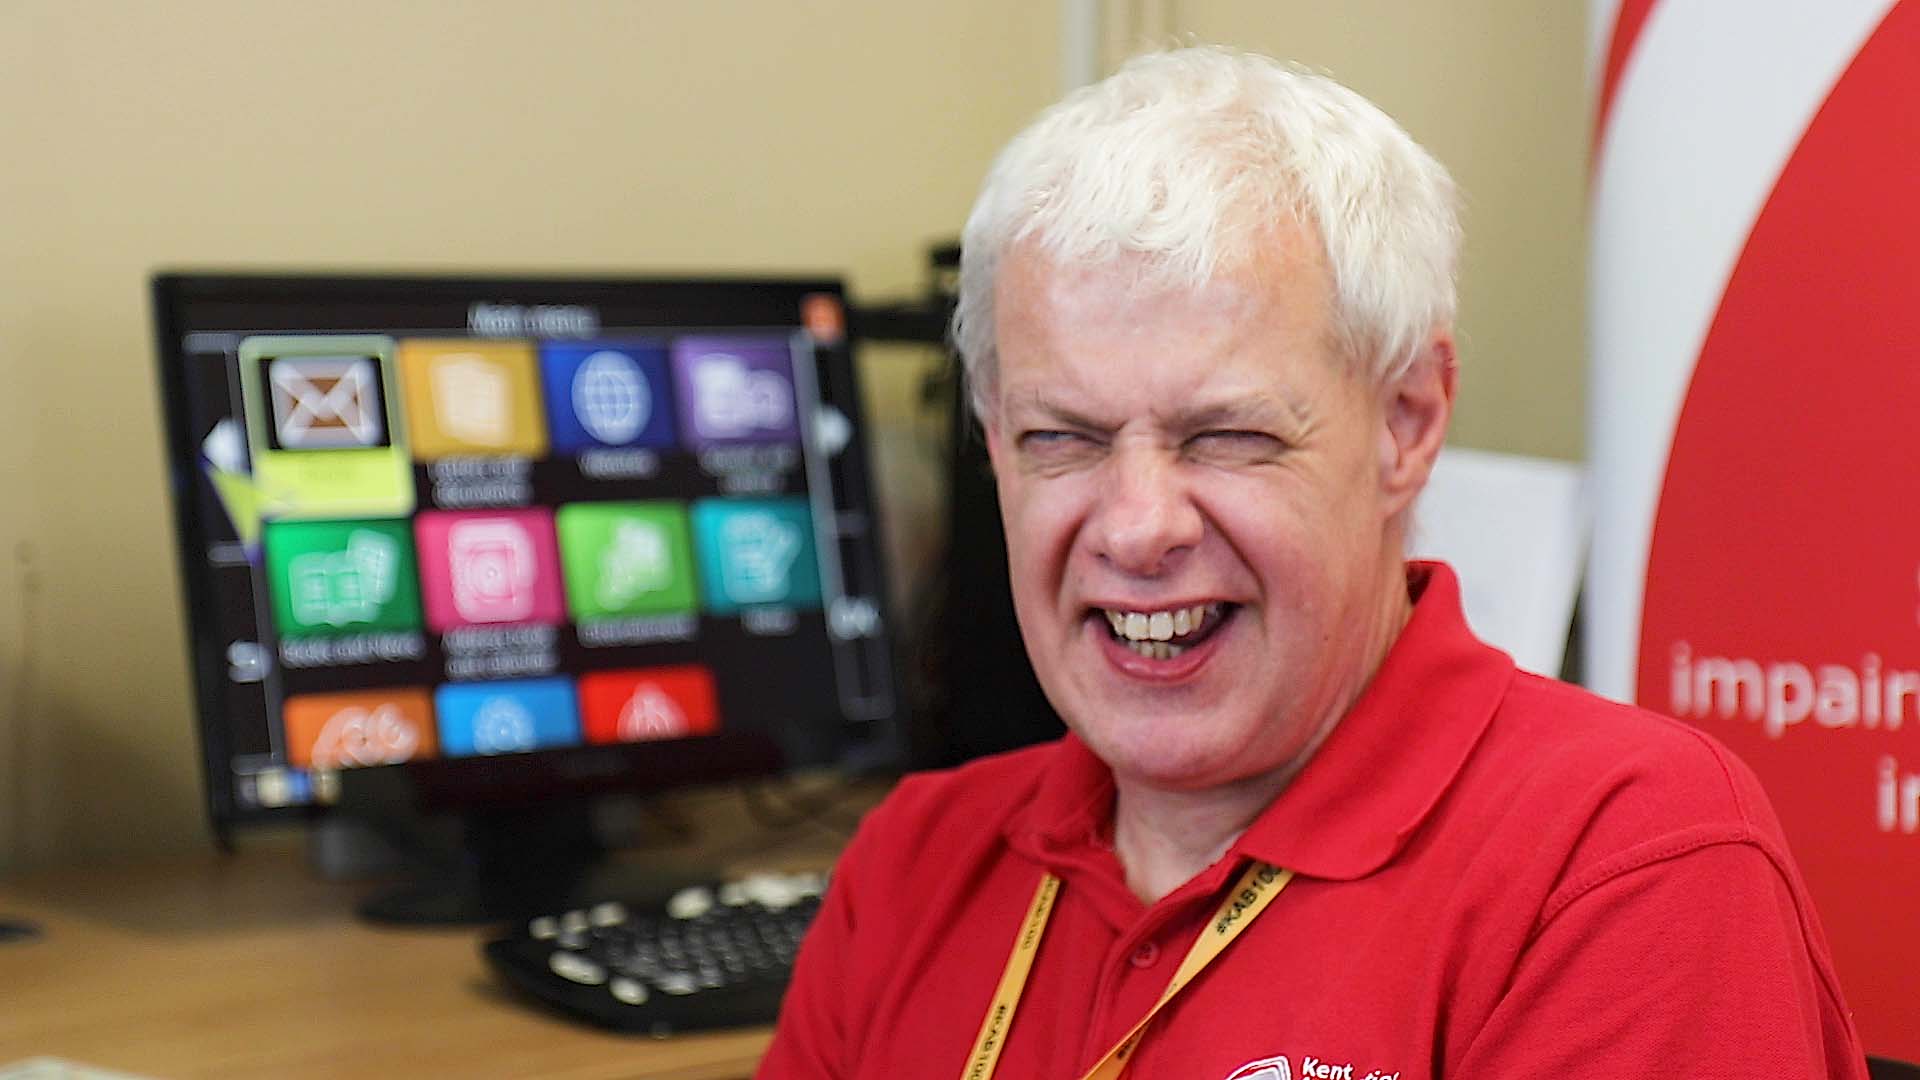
492, 866
489, 840
509, 864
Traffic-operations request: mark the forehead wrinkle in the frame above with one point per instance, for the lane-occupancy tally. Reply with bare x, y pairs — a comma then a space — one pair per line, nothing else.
1283, 403
1061, 376
1238, 410
1069, 323
1037, 401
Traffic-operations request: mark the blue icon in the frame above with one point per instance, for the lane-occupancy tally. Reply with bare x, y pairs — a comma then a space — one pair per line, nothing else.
604, 394
506, 717
755, 552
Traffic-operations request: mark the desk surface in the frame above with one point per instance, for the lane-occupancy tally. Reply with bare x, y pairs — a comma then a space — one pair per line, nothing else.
250, 965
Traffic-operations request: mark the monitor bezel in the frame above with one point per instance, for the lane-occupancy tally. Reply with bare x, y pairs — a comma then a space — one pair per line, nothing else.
585, 771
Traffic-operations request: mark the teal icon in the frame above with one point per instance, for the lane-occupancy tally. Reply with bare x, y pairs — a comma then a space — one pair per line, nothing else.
756, 552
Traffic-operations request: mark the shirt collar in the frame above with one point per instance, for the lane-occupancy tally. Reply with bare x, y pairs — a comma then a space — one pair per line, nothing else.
1370, 784
1397, 751
1072, 808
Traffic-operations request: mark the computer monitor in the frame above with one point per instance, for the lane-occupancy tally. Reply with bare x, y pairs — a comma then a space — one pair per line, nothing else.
517, 539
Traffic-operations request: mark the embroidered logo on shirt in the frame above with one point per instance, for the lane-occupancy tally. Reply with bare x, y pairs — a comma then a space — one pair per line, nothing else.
1273, 1068
1311, 1068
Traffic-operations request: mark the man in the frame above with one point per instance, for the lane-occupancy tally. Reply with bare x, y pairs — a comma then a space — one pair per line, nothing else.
1304, 825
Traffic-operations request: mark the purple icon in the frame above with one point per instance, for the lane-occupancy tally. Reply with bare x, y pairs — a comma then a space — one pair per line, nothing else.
735, 390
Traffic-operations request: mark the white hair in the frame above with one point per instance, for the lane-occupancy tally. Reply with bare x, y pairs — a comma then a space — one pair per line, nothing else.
1188, 158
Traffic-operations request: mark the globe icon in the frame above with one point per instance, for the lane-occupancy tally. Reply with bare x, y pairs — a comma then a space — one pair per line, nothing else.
611, 397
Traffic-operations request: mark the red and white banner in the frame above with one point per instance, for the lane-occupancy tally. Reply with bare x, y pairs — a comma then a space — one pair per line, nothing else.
1755, 429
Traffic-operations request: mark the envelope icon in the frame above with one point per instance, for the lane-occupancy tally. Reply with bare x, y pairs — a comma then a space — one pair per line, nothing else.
326, 402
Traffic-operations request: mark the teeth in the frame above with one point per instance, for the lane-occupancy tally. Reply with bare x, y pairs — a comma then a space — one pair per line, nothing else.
1156, 650
1157, 626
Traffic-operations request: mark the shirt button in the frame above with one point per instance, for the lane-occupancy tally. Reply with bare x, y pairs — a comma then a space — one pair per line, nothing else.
1146, 955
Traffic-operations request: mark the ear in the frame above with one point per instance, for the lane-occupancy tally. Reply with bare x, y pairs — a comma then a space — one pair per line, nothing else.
1416, 407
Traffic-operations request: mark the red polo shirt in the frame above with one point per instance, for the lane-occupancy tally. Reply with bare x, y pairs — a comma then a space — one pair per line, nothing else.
1499, 875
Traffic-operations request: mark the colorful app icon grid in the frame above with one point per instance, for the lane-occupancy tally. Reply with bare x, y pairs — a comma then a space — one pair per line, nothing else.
472, 398
341, 577
755, 552
359, 728
735, 390
321, 427
607, 394
507, 717
648, 703
480, 567
626, 558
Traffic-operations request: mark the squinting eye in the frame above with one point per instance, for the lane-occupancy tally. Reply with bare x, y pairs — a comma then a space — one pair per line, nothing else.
1051, 450
1236, 444
1042, 440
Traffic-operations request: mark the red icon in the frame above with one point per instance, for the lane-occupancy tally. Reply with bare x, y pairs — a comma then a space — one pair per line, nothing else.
646, 704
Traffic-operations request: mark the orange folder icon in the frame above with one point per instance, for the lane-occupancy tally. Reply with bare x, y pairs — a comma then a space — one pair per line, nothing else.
359, 728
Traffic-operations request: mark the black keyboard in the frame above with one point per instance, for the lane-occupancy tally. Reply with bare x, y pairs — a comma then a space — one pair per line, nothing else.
712, 956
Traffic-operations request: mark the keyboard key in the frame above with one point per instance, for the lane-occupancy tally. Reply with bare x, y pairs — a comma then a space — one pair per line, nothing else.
576, 968
690, 903
678, 983
627, 991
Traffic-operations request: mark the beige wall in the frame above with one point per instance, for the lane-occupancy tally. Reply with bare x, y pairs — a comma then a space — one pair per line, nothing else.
482, 134
577, 135
1497, 90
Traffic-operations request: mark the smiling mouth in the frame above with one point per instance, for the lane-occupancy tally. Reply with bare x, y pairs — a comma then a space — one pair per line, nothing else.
1165, 634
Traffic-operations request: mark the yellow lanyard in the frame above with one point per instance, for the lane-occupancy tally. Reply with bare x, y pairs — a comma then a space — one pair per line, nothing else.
1250, 896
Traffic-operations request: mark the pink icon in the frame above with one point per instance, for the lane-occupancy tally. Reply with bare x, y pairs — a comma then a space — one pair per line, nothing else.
495, 566
493, 570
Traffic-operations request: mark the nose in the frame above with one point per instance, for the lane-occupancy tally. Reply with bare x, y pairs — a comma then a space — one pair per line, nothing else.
1146, 520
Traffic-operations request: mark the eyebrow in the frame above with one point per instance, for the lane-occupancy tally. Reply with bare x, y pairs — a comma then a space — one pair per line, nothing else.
1053, 412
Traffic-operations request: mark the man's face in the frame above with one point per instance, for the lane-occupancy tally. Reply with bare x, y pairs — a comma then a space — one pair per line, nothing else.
1201, 470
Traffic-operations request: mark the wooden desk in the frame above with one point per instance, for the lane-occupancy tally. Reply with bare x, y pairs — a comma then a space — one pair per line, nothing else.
249, 965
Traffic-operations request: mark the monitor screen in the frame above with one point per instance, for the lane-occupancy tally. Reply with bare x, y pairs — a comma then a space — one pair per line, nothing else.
523, 530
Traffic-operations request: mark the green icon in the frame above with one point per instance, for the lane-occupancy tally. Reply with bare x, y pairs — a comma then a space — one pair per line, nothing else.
626, 558
342, 577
